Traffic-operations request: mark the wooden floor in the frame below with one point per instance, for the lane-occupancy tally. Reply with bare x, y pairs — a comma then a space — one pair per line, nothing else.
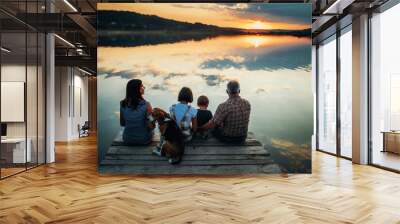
71, 191
387, 159
10, 171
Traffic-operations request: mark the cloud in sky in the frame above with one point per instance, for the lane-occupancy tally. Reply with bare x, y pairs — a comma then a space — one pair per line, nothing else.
239, 15
290, 13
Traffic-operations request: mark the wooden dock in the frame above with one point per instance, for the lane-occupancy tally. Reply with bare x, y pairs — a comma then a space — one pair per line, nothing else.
204, 157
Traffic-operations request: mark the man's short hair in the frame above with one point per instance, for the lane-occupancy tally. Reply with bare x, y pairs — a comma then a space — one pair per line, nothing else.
233, 87
185, 95
202, 101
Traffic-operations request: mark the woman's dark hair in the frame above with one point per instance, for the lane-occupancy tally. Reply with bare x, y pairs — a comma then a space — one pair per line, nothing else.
202, 101
185, 95
133, 95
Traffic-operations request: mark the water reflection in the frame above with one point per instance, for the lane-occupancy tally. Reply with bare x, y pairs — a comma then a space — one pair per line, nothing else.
256, 41
283, 58
274, 72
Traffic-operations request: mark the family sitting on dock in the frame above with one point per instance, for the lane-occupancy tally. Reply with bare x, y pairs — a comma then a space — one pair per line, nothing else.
183, 122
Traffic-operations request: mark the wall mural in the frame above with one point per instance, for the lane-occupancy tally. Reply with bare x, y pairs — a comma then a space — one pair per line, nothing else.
204, 88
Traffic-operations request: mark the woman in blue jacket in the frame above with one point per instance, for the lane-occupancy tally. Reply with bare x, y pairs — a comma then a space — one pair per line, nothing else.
134, 115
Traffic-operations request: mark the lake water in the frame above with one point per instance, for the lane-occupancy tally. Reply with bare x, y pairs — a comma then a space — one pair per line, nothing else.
274, 73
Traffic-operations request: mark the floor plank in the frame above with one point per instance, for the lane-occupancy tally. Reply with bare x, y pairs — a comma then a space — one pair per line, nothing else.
196, 141
197, 162
72, 191
234, 150
187, 157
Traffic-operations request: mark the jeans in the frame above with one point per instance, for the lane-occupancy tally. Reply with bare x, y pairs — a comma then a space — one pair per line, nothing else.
220, 136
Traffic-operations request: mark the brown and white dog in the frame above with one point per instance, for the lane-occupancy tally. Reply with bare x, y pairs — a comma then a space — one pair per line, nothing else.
173, 144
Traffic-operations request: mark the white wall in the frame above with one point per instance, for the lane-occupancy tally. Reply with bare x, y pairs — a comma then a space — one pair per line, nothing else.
62, 81
71, 87
16, 73
33, 126
13, 100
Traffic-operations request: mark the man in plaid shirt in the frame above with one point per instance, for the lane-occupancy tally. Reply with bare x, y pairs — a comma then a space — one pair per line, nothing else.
231, 120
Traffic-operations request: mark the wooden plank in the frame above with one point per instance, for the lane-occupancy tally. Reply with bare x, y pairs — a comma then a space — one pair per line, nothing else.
215, 142
234, 150
130, 150
249, 142
152, 144
191, 170
227, 150
211, 141
188, 162
119, 142
118, 137
187, 157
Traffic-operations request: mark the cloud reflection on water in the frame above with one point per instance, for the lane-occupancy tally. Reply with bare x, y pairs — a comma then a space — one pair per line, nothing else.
292, 57
211, 60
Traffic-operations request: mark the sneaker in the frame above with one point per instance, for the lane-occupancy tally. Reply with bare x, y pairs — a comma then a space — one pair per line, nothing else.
175, 160
157, 151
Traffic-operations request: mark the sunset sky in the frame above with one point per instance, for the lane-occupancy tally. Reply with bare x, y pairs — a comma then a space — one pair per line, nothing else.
237, 15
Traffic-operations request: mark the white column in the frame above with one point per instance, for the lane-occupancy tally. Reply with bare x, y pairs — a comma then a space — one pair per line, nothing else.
360, 90
50, 92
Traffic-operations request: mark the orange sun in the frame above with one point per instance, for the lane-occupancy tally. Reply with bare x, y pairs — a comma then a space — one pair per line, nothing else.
257, 25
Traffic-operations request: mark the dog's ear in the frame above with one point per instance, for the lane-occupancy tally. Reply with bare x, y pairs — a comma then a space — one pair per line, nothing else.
159, 114
156, 113
167, 115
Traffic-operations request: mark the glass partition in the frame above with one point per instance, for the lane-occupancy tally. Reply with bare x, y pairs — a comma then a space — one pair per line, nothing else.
22, 66
385, 89
13, 94
327, 95
346, 92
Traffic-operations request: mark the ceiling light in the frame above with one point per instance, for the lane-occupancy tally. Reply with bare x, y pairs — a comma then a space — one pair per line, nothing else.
5, 50
84, 71
65, 41
333, 6
79, 51
337, 7
70, 5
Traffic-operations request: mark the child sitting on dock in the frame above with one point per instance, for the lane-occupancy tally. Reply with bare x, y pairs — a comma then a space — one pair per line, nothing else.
203, 114
184, 114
